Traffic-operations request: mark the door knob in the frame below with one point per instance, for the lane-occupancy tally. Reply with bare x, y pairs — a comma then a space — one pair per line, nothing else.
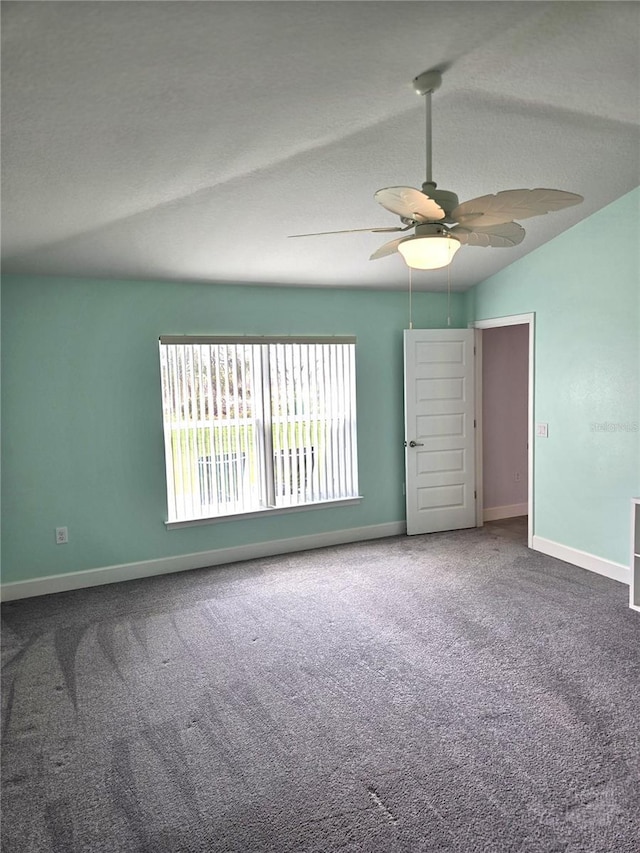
416, 444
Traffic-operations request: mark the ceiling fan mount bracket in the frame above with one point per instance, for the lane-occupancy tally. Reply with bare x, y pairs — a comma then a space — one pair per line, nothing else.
427, 82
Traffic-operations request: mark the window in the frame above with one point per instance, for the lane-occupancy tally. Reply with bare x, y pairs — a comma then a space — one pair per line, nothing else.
252, 424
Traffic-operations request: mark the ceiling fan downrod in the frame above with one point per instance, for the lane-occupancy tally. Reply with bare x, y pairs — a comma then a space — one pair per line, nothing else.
425, 84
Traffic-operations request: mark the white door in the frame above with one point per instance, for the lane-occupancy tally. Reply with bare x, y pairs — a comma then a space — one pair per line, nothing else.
439, 429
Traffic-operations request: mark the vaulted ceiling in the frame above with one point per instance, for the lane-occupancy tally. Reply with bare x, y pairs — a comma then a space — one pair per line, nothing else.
187, 140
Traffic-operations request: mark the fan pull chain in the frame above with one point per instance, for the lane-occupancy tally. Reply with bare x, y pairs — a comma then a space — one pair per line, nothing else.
410, 302
427, 100
449, 294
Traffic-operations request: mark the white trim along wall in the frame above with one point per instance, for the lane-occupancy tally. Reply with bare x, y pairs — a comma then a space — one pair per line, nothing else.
495, 513
614, 571
201, 560
222, 556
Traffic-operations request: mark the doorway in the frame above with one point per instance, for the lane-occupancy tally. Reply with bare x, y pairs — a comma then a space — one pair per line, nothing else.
504, 413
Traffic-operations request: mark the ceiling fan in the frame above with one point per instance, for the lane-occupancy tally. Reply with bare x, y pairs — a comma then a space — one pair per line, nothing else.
441, 223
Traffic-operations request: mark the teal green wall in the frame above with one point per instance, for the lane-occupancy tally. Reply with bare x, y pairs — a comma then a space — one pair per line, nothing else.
82, 443
584, 288
82, 439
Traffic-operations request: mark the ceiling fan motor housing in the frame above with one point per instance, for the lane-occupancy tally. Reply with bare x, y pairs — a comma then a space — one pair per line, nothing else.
447, 200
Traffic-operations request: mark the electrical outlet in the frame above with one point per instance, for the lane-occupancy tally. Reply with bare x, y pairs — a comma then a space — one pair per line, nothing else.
62, 535
518, 476
542, 430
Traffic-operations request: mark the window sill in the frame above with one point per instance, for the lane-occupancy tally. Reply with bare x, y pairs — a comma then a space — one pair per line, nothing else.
259, 513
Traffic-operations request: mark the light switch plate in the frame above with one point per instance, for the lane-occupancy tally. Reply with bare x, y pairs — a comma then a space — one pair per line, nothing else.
542, 430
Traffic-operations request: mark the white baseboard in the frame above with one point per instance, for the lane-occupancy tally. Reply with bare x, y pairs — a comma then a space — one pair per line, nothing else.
615, 571
495, 513
200, 560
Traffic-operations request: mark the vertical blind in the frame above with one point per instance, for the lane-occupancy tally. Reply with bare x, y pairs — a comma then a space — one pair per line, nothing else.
252, 424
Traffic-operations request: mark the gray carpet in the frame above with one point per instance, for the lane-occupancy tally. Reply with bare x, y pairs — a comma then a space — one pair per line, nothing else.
453, 692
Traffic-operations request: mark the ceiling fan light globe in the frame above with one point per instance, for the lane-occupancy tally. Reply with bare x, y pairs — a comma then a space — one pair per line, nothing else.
429, 251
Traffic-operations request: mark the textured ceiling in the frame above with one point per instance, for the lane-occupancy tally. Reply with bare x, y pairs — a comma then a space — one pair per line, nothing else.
186, 140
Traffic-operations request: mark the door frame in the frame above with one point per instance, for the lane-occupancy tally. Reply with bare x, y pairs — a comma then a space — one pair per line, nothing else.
493, 323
